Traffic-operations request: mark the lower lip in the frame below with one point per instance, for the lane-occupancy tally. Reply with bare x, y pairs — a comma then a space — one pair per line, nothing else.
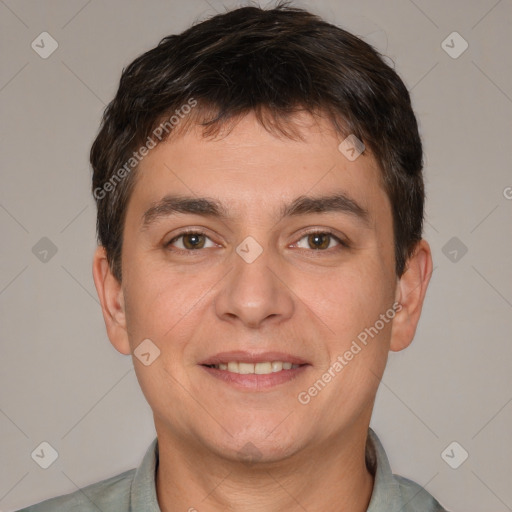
253, 381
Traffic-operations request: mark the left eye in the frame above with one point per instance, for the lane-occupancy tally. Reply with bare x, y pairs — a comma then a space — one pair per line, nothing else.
191, 241
319, 241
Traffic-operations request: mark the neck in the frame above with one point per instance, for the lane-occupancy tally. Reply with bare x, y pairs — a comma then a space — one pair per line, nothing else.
327, 477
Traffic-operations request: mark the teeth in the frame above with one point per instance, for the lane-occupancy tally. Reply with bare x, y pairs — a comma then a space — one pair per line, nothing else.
263, 368
277, 366
245, 368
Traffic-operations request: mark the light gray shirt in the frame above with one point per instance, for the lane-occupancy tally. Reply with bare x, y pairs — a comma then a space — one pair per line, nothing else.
135, 491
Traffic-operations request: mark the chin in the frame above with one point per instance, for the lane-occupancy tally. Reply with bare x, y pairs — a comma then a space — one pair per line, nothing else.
264, 442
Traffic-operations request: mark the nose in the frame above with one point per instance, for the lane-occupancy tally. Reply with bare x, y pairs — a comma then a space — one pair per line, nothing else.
253, 294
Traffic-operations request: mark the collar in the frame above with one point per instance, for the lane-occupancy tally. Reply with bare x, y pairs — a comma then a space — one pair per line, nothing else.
386, 493
143, 489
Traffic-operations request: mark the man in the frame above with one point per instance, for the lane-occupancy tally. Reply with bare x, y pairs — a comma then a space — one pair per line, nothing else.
260, 205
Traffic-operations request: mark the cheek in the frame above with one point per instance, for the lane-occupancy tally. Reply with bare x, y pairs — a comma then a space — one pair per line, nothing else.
160, 304
350, 298
351, 303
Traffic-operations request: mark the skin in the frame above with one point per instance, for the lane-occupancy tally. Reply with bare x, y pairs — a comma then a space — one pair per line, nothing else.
311, 303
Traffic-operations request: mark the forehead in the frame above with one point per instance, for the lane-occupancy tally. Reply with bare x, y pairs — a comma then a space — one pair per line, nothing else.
250, 165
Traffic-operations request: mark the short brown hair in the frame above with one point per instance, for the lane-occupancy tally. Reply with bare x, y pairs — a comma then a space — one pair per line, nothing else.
275, 63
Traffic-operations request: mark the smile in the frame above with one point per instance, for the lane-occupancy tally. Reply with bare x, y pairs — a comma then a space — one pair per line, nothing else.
262, 368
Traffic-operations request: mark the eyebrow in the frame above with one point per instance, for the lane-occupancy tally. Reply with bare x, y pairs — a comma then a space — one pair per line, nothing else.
339, 202
303, 205
170, 205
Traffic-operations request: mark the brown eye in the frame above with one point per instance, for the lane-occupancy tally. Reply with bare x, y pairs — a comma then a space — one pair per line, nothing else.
190, 241
319, 240
193, 241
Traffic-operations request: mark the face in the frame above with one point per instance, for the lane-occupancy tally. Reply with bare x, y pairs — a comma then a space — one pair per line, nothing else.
246, 255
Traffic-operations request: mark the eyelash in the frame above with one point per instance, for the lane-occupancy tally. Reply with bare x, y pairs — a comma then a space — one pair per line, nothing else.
343, 244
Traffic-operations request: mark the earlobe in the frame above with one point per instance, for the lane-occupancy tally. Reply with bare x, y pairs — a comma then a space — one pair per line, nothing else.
410, 293
111, 298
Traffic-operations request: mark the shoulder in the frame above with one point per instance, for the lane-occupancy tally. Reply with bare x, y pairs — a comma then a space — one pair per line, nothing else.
415, 498
110, 495
391, 491
133, 489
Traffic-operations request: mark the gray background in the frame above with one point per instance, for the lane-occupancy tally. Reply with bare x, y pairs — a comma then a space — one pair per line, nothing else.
61, 380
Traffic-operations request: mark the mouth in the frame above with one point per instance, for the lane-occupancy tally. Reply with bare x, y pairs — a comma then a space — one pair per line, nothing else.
261, 368
254, 371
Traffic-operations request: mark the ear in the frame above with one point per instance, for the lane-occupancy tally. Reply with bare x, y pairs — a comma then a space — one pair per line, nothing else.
111, 298
410, 294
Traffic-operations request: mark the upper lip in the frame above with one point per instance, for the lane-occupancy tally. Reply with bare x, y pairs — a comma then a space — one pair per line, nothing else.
252, 357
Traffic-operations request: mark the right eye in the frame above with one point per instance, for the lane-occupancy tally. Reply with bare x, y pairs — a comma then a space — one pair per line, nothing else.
190, 241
